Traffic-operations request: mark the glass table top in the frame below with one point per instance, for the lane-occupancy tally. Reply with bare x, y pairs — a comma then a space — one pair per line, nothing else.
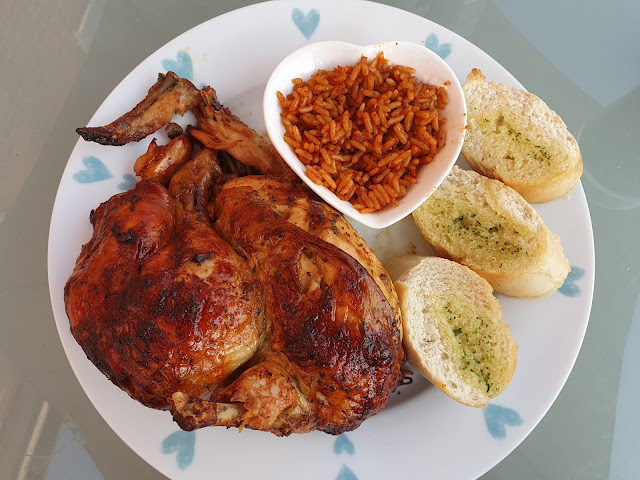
61, 59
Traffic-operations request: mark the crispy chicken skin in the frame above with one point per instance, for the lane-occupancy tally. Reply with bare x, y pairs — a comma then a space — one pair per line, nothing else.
239, 301
169, 96
218, 126
304, 209
333, 351
160, 162
335, 341
157, 300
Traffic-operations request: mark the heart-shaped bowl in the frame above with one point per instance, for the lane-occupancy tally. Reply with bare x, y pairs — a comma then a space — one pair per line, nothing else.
429, 68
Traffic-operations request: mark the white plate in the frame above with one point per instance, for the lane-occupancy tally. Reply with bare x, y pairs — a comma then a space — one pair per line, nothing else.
421, 432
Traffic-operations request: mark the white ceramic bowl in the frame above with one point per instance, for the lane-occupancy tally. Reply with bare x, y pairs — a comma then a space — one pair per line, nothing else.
429, 68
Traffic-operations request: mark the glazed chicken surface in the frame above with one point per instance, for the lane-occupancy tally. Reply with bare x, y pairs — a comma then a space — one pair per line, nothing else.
232, 300
158, 301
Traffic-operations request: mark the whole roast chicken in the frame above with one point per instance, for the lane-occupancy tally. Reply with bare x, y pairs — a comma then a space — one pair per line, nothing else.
228, 297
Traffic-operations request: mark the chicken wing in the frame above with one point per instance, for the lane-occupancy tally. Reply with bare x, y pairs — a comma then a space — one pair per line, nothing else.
218, 126
160, 162
169, 96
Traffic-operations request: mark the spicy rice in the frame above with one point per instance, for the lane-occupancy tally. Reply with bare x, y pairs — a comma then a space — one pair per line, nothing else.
363, 131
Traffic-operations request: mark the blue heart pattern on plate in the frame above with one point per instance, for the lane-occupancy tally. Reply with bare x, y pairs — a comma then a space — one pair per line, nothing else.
498, 418
343, 444
306, 23
95, 171
433, 44
569, 287
183, 444
182, 66
128, 182
346, 474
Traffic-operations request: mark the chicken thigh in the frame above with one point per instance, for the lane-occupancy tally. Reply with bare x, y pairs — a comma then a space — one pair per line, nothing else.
157, 300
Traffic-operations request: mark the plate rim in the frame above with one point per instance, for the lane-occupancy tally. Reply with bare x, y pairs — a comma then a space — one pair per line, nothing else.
327, 4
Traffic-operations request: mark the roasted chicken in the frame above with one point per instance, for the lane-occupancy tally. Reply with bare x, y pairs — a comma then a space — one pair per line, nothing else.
159, 302
234, 300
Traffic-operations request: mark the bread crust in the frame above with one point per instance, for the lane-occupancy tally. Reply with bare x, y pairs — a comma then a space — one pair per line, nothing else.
422, 283
538, 270
493, 109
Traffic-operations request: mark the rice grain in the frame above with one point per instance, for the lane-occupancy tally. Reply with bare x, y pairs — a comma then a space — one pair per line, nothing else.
364, 130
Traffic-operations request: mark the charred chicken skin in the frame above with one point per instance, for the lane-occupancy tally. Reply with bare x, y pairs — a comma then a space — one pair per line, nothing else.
169, 96
235, 301
158, 301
